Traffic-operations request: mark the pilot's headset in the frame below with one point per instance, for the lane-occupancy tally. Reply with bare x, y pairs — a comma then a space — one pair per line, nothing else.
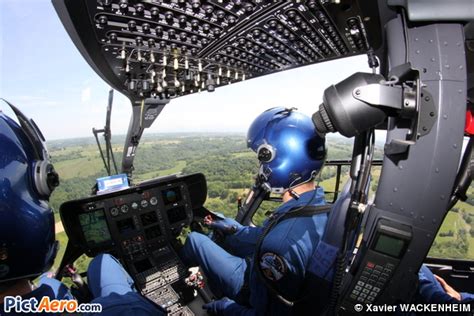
27, 178
288, 148
45, 177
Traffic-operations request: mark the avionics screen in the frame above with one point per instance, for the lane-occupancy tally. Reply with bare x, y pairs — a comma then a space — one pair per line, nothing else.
153, 232
125, 225
176, 214
389, 245
142, 265
171, 196
94, 227
149, 218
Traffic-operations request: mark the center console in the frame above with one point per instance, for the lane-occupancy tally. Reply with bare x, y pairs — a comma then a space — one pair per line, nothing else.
139, 225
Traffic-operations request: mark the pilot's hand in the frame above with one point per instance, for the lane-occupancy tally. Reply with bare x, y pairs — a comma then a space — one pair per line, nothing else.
227, 226
449, 290
217, 307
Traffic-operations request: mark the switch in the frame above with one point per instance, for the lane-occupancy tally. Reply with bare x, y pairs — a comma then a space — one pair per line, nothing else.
146, 28
140, 8
102, 20
132, 26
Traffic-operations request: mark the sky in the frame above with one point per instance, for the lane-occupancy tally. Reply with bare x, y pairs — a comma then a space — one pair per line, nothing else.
43, 74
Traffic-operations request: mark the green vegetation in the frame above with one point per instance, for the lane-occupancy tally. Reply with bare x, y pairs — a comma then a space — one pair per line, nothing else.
230, 169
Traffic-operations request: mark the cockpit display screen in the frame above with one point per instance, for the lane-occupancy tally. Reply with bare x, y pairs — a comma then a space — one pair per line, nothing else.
171, 196
126, 225
94, 227
176, 214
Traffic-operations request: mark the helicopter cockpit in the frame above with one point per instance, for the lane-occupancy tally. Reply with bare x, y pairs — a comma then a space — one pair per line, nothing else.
419, 91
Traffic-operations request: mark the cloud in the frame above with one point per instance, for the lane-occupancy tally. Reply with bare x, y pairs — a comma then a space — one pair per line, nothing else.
86, 95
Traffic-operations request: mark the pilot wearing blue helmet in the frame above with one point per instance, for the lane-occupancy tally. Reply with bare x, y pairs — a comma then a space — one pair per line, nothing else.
262, 270
27, 237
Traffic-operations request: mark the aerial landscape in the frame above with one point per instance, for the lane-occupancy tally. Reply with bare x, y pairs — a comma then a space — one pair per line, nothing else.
229, 168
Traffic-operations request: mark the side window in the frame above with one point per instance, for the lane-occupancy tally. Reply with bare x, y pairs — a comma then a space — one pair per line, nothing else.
455, 239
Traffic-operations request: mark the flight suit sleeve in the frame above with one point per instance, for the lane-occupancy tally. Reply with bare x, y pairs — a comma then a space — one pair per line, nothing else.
467, 297
244, 240
229, 307
430, 290
248, 234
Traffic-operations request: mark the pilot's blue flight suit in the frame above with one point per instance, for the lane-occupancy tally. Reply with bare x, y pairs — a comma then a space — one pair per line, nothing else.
285, 255
112, 287
110, 284
47, 287
431, 291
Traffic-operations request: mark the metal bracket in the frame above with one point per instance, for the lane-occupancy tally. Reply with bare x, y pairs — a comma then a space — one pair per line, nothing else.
405, 94
380, 95
143, 116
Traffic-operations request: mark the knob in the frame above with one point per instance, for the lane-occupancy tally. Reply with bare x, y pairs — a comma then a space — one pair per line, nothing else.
154, 12
132, 25
159, 31
102, 20
231, 19
195, 4
113, 37
140, 8
146, 27
220, 14
182, 20
169, 17
123, 4
208, 9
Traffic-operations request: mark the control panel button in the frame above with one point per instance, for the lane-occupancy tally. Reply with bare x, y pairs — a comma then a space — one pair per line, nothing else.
114, 211
144, 203
124, 208
378, 268
134, 205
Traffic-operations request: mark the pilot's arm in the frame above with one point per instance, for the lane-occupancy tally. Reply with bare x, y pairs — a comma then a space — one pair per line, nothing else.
434, 289
240, 239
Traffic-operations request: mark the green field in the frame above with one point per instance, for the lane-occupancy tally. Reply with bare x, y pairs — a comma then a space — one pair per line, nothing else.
180, 165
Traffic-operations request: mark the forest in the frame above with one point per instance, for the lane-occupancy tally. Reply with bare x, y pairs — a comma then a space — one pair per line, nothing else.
230, 169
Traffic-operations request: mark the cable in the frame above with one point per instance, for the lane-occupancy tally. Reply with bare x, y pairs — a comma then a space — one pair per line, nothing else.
405, 33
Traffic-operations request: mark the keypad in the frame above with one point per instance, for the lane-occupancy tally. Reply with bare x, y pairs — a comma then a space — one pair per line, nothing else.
371, 282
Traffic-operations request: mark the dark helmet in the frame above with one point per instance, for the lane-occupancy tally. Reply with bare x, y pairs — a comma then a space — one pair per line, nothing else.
288, 148
27, 178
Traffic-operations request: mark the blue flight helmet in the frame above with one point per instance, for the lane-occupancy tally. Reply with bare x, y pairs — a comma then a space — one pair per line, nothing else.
288, 148
27, 178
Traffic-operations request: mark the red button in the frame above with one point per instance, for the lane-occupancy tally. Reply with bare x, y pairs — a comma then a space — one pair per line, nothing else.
370, 265
469, 127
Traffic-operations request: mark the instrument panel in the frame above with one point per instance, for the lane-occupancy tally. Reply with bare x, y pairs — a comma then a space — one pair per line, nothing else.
139, 225
171, 48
